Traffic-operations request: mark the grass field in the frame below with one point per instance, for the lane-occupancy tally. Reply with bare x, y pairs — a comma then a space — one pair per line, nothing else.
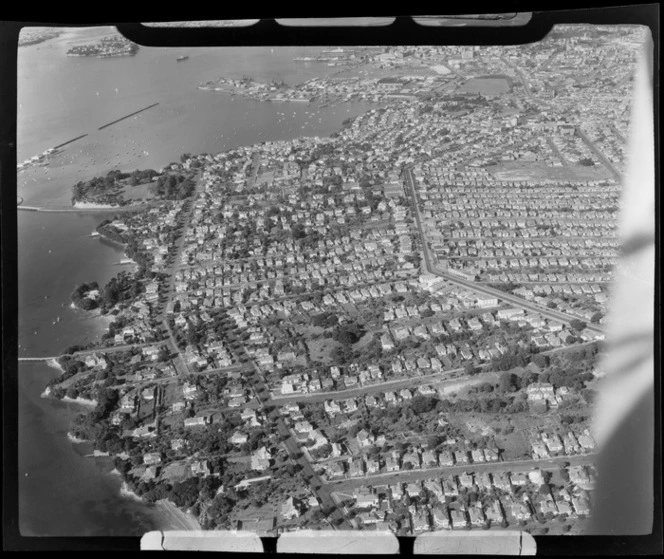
534, 170
319, 350
139, 192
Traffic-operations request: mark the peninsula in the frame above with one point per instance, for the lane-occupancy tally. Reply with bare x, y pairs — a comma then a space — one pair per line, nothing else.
397, 327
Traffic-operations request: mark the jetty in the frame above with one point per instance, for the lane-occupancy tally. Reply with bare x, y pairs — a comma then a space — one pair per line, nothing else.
28, 359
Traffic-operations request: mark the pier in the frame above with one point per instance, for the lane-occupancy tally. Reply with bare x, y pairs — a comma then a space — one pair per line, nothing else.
127, 116
66, 209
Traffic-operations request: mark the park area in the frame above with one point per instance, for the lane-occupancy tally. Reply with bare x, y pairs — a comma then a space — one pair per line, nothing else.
485, 86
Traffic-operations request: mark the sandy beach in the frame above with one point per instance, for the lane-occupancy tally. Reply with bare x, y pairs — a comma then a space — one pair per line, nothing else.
79, 400
175, 519
94, 206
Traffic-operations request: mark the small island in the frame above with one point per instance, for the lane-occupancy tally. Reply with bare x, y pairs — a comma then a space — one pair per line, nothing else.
114, 45
86, 296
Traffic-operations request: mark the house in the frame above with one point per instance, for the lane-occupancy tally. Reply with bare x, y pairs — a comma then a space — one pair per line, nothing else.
434, 487
239, 438
461, 457
477, 516
372, 465
391, 463
260, 460
421, 521
518, 478
581, 505
536, 477
490, 455
519, 511
450, 487
151, 458
477, 455
411, 457
292, 508
95, 361
494, 513
429, 459
200, 467
356, 467
365, 497
458, 519
364, 438
441, 517
501, 480
466, 480
335, 470
413, 489
198, 421
484, 481
189, 391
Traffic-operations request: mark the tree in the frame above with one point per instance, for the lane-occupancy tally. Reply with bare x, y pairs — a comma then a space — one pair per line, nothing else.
422, 404
509, 382
577, 324
164, 353
349, 333
541, 360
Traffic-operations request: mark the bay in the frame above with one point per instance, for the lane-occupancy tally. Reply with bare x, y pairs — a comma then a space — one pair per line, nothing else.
59, 98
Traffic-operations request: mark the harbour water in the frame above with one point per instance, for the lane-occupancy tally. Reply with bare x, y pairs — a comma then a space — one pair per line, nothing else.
62, 493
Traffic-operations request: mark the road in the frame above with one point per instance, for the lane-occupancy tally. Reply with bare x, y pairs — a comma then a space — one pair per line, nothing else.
591, 145
114, 349
185, 219
320, 490
557, 152
388, 385
501, 295
404, 476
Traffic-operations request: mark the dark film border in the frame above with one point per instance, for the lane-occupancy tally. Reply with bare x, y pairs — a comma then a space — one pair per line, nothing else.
402, 31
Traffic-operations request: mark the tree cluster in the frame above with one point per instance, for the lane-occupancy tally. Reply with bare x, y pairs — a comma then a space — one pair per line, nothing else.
174, 187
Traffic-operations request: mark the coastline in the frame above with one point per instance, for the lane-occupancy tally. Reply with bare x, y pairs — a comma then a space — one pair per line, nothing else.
55, 364
128, 493
168, 516
82, 401
74, 439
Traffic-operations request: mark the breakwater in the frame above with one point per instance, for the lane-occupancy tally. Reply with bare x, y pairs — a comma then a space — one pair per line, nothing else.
127, 116
70, 141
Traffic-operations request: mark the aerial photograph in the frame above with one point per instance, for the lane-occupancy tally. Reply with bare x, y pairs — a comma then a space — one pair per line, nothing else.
326, 288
